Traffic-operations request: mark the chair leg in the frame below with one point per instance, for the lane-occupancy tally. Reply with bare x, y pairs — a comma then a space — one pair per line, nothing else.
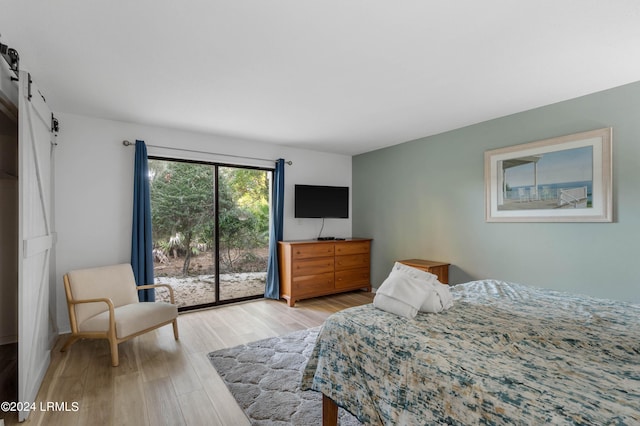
70, 341
113, 343
175, 328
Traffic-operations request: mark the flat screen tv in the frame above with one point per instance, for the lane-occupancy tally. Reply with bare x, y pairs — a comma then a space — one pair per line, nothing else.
312, 201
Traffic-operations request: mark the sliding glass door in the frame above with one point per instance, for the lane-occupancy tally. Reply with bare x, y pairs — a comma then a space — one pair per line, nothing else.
210, 230
243, 229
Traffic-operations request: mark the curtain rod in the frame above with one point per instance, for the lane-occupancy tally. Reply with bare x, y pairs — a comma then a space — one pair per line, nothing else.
127, 143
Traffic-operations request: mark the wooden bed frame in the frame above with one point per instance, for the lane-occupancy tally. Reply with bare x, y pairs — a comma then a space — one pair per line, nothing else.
329, 411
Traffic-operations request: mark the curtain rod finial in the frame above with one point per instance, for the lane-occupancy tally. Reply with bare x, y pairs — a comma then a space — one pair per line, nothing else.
126, 143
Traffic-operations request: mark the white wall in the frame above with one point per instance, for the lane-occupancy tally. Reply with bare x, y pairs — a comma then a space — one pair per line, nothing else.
94, 186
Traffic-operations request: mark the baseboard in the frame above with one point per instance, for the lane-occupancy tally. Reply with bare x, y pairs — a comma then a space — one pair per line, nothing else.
53, 338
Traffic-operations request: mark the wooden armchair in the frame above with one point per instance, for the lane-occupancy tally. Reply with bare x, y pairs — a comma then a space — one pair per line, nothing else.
103, 304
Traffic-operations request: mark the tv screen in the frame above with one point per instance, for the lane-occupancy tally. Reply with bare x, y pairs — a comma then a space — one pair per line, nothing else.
312, 201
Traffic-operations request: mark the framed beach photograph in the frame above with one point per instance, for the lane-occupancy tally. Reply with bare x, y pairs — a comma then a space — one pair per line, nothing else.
563, 179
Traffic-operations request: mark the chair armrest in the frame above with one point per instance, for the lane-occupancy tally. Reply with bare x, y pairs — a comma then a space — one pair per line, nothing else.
147, 286
112, 317
102, 299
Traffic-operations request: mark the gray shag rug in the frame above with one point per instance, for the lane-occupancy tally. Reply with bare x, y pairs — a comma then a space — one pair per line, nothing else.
264, 377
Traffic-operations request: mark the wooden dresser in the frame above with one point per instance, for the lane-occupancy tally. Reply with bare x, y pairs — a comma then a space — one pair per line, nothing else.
317, 268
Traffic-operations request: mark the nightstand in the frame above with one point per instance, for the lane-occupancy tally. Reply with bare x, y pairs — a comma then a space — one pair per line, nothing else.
440, 269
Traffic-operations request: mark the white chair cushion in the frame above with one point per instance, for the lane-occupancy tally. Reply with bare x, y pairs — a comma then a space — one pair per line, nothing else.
133, 318
115, 282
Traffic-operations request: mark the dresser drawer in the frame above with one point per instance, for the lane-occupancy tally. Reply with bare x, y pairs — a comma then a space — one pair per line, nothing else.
352, 261
308, 251
313, 284
352, 247
313, 266
353, 278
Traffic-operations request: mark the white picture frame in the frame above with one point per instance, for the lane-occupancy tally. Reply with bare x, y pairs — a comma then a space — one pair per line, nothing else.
562, 179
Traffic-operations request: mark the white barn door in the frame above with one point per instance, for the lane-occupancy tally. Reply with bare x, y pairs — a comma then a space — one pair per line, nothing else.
35, 238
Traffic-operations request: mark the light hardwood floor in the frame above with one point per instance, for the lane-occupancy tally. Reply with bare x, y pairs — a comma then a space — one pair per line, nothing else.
161, 381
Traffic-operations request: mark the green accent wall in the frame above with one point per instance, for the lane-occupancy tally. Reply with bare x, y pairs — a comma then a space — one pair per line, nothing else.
425, 199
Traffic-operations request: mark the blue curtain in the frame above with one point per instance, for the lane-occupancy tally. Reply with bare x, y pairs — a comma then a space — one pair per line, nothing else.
141, 243
272, 289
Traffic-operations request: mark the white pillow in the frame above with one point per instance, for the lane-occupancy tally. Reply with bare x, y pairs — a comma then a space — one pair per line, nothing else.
404, 291
439, 298
394, 306
415, 272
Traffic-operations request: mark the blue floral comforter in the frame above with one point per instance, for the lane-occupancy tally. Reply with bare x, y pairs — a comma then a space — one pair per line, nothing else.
503, 354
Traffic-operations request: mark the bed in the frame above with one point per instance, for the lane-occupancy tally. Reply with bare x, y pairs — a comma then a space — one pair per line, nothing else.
503, 354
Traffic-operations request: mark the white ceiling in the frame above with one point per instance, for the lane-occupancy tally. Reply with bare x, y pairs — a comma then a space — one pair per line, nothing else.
345, 76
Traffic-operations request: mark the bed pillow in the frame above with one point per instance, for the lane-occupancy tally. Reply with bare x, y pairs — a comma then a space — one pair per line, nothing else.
404, 291
416, 273
394, 306
440, 300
